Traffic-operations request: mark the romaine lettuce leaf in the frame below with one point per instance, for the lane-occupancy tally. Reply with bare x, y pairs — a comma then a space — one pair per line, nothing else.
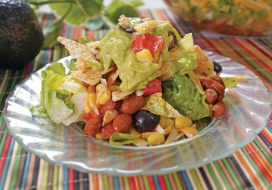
72, 85
186, 42
121, 138
156, 105
55, 68
39, 110
230, 82
180, 92
72, 66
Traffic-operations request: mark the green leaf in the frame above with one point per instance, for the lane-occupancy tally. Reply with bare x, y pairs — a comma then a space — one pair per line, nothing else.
94, 24
136, 3
181, 93
61, 96
72, 66
72, 85
90, 8
58, 68
230, 82
85, 40
121, 138
75, 16
51, 33
69, 105
186, 42
117, 8
39, 110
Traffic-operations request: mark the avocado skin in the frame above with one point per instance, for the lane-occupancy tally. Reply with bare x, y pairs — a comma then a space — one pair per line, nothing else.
21, 36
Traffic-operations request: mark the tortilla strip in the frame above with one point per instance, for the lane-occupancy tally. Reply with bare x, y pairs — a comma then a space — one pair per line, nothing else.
82, 65
175, 53
112, 76
93, 46
109, 116
109, 70
165, 66
124, 20
88, 76
195, 79
77, 50
148, 26
205, 65
120, 95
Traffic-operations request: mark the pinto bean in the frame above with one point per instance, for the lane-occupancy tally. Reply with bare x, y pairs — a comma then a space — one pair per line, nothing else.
218, 79
108, 106
219, 109
93, 126
211, 96
108, 130
122, 123
212, 84
133, 104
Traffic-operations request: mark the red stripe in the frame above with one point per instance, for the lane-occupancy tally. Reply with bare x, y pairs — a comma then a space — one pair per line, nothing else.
4, 154
162, 182
27, 70
71, 180
132, 183
151, 182
266, 137
258, 164
269, 124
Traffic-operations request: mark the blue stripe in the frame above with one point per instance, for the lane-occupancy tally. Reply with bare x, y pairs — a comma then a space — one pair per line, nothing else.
157, 183
269, 128
6, 168
187, 181
65, 178
116, 183
86, 181
24, 178
36, 172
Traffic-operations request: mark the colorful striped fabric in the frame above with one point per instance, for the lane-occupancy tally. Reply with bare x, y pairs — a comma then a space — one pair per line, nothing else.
248, 168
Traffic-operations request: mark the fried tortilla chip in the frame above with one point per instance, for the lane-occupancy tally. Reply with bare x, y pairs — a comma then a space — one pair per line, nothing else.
148, 26
109, 70
125, 21
195, 79
120, 95
205, 65
93, 47
82, 65
109, 116
112, 76
175, 53
77, 50
164, 68
88, 76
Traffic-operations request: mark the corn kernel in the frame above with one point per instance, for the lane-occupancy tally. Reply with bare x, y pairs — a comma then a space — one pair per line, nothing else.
100, 136
101, 87
183, 122
104, 97
189, 132
144, 56
92, 101
155, 139
168, 122
210, 109
162, 121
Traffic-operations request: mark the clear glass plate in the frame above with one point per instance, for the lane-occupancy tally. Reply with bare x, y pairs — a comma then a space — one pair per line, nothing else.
248, 109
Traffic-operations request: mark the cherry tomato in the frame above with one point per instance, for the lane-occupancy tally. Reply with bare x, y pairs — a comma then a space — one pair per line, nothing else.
137, 43
153, 87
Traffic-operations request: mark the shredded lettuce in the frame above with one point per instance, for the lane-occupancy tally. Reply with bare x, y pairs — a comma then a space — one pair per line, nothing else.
156, 105
121, 138
72, 66
186, 42
72, 85
230, 82
180, 92
39, 110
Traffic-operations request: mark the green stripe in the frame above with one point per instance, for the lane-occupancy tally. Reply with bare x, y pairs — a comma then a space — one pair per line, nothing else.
56, 178
105, 181
177, 180
231, 172
45, 175
211, 172
126, 182
258, 171
264, 152
4, 137
146, 182
167, 182
196, 180
16, 168
5, 86
222, 175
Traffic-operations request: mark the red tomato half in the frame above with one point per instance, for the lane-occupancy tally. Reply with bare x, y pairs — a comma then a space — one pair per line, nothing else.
137, 43
153, 87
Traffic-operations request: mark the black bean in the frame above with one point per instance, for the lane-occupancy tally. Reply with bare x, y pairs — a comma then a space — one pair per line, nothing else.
145, 121
217, 67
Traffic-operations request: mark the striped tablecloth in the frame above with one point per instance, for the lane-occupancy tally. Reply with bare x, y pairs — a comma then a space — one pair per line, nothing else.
248, 168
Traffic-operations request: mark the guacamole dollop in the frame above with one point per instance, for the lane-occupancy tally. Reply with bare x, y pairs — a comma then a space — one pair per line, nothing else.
116, 48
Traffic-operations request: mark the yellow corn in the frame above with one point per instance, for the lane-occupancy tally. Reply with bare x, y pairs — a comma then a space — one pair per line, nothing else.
168, 122
148, 134
225, 8
92, 103
155, 139
210, 109
240, 78
101, 87
183, 121
167, 130
104, 97
100, 136
162, 121
144, 56
189, 132
133, 131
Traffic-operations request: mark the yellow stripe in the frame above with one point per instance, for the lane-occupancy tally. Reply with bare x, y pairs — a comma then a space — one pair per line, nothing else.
60, 182
201, 179
91, 187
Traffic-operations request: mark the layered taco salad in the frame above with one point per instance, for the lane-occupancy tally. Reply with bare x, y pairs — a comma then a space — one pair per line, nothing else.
235, 17
142, 84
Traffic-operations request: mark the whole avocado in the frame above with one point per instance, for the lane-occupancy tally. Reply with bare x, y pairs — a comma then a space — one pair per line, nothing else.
21, 36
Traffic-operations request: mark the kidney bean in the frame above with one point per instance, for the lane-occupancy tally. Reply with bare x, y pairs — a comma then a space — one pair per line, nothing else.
119, 106
219, 109
133, 104
93, 126
122, 122
212, 84
108, 106
108, 130
211, 96
218, 79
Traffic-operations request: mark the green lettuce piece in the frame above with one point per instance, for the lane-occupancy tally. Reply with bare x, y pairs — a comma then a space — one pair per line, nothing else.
186, 42
136, 3
61, 96
39, 110
72, 85
180, 92
182, 65
90, 8
85, 40
121, 138
238, 15
55, 68
259, 14
69, 105
119, 7
229, 82
156, 105
72, 66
